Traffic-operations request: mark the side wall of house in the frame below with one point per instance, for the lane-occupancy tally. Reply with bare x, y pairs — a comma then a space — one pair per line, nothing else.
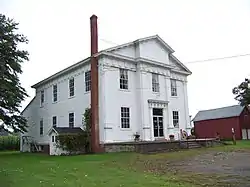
62, 107
31, 115
209, 128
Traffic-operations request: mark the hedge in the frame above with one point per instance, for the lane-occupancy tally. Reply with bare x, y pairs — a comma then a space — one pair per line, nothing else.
9, 143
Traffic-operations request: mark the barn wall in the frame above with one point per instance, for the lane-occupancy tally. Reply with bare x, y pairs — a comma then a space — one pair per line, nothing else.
208, 128
245, 119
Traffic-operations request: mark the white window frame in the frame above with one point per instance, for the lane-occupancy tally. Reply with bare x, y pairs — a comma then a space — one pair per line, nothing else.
54, 93
176, 118
87, 81
71, 87
42, 96
73, 119
125, 117
173, 83
123, 79
54, 125
155, 83
41, 127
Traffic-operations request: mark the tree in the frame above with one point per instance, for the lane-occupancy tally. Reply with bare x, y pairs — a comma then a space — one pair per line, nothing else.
242, 93
11, 91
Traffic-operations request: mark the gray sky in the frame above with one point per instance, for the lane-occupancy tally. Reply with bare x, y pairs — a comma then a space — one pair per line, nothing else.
59, 35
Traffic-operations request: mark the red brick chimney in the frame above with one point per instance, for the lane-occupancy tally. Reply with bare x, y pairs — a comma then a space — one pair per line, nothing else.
95, 142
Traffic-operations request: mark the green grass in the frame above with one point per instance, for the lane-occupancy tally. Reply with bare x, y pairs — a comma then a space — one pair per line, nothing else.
111, 170
103, 170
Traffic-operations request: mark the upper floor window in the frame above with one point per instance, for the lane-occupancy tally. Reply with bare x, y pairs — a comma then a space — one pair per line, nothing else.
87, 81
123, 79
71, 120
176, 119
173, 87
71, 87
54, 121
155, 83
55, 93
42, 97
125, 117
41, 127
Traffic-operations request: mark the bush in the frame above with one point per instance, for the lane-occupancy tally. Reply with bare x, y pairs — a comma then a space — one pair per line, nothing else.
74, 143
9, 143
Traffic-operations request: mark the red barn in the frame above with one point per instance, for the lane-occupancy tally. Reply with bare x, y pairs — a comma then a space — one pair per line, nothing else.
207, 123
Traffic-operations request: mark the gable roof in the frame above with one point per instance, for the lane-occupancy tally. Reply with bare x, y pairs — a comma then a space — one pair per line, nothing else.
65, 130
225, 112
106, 52
157, 37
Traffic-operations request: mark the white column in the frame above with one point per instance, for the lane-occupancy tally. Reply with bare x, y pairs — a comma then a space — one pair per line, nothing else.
186, 105
165, 122
151, 124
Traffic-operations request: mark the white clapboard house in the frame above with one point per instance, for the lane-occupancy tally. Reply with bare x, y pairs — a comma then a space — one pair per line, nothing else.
142, 88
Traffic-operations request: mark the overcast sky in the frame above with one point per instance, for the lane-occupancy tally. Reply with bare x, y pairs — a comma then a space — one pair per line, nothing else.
59, 35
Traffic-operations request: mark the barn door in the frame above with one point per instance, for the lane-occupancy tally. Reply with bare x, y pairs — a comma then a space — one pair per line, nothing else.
244, 134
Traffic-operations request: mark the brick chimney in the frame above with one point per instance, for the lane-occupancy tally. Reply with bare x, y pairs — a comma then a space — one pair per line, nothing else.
95, 142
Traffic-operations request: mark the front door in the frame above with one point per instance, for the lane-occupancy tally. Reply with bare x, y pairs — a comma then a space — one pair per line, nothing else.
158, 122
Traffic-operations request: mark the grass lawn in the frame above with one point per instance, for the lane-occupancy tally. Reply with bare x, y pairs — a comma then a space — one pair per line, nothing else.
105, 170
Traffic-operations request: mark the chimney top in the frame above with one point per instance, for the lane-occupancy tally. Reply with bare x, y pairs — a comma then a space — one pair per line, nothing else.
93, 16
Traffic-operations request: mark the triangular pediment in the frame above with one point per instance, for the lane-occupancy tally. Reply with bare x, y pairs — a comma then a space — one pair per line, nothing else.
151, 48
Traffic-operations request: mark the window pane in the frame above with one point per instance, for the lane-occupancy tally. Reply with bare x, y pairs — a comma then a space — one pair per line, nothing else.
87, 81
123, 79
41, 127
71, 120
158, 111
54, 121
125, 117
71, 87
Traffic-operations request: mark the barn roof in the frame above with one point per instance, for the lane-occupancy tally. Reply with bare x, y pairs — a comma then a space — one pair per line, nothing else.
225, 112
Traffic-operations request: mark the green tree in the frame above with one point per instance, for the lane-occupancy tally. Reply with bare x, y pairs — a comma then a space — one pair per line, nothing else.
11, 58
242, 93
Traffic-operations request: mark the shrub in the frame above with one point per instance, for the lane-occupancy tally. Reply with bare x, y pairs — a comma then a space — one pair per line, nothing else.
9, 143
77, 142
73, 142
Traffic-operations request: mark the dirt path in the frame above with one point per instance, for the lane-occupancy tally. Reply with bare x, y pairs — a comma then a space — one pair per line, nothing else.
224, 168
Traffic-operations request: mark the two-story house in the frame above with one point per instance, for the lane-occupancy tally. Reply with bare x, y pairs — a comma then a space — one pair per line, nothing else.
142, 88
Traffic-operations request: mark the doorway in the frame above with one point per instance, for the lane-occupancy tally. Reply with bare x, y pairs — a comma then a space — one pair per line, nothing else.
158, 122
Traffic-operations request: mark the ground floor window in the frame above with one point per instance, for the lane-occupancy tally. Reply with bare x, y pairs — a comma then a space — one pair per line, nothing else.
125, 117
176, 119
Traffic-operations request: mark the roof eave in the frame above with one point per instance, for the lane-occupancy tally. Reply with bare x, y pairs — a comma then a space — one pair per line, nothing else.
61, 73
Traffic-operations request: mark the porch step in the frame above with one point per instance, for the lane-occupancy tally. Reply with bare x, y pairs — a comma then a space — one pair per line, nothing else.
193, 145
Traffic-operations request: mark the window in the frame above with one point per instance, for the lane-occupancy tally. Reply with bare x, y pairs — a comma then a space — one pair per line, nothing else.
42, 97
155, 82
71, 87
71, 120
173, 88
54, 121
55, 93
123, 79
125, 117
41, 127
53, 138
87, 81
176, 119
